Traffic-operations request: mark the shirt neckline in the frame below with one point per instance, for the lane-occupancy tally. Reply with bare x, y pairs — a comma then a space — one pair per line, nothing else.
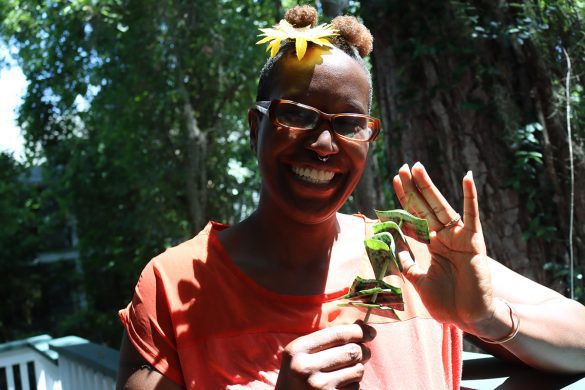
252, 284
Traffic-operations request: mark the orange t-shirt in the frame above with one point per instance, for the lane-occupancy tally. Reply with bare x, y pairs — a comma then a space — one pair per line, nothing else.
204, 324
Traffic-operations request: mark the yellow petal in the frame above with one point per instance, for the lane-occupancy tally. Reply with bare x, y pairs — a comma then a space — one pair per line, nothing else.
264, 40
301, 46
320, 35
275, 45
321, 41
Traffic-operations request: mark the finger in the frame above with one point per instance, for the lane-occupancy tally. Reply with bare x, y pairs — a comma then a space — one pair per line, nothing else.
342, 378
335, 358
328, 338
399, 190
431, 194
470, 204
417, 204
439, 247
369, 331
410, 268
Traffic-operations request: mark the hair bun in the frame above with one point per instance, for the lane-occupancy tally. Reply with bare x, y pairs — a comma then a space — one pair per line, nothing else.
354, 33
302, 16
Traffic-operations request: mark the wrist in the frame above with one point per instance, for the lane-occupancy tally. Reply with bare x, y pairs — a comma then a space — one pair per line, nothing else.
502, 326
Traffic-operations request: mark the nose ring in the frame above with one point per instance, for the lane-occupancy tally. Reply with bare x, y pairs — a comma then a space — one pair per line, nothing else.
323, 158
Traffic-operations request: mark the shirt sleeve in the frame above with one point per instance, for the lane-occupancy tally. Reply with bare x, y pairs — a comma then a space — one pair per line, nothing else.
147, 320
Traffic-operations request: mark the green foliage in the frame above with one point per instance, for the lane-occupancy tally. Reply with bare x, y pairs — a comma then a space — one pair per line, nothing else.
31, 224
18, 243
528, 163
109, 83
552, 27
562, 272
105, 112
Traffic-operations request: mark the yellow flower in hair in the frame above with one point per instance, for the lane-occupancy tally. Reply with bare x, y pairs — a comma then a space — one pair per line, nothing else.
284, 30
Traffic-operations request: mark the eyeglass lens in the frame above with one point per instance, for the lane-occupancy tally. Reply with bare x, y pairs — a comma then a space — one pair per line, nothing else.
351, 126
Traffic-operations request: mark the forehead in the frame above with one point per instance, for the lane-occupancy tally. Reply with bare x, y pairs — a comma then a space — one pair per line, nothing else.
326, 76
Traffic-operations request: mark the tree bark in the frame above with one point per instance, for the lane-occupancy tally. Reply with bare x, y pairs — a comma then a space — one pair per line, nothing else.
368, 194
455, 103
196, 172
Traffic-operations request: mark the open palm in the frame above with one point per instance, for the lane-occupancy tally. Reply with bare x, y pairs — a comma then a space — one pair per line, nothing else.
456, 288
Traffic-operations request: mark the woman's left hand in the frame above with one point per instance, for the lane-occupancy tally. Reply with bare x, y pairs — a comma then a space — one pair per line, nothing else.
457, 287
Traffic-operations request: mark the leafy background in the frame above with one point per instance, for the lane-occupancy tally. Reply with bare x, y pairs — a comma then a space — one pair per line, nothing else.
136, 135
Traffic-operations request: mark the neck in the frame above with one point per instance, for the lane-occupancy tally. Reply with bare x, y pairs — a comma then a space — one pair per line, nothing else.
293, 258
292, 244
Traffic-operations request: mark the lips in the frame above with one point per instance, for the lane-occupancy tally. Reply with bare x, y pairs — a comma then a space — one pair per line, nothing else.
312, 175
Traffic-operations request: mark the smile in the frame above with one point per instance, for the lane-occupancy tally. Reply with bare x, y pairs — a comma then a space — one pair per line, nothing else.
313, 175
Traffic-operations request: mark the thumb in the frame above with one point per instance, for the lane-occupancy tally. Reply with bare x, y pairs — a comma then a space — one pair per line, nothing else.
410, 269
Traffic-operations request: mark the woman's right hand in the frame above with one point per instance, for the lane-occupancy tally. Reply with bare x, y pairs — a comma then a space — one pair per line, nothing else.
330, 358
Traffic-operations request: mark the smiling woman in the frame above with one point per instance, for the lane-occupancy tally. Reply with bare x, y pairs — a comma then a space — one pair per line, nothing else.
256, 304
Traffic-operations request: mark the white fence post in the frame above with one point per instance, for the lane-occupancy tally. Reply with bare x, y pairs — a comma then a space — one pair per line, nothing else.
68, 363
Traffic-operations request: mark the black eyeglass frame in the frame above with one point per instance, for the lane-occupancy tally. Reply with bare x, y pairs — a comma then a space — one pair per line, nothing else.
271, 112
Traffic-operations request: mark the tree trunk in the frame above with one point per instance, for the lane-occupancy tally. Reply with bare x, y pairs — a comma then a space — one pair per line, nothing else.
196, 172
455, 103
368, 194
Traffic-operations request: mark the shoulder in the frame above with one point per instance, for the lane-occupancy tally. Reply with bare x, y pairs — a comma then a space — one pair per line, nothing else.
195, 248
177, 261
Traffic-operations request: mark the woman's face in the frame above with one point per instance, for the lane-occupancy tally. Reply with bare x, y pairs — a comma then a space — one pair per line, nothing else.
294, 180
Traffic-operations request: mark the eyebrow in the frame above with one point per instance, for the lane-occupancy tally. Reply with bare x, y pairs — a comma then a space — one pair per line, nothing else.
351, 107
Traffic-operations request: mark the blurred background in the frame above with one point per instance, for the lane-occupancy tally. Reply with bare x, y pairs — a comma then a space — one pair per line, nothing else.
123, 131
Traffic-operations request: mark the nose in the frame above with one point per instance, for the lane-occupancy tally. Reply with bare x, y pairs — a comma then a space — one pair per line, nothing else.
322, 141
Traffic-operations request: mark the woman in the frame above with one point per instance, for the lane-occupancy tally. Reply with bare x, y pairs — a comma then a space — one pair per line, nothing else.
254, 305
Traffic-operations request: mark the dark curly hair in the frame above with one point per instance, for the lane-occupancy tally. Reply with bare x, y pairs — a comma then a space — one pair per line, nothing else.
354, 39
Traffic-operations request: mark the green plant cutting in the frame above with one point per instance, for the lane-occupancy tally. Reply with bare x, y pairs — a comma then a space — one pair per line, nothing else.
376, 294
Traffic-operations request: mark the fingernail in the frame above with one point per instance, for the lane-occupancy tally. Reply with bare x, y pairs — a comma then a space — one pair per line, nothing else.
370, 332
470, 174
405, 259
405, 166
420, 166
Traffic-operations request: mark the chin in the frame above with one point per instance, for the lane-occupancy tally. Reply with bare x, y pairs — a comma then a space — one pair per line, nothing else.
313, 211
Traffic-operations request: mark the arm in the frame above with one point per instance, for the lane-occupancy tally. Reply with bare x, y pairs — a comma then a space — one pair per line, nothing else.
552, 328
135, 373
463, 286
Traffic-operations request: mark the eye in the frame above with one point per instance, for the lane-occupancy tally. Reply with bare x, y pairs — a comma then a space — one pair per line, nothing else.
352, 126
295, 116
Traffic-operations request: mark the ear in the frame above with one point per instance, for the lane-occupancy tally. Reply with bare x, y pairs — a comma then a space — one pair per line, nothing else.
254, 125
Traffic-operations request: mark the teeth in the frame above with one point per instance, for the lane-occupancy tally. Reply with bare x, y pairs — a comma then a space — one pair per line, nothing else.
314, 175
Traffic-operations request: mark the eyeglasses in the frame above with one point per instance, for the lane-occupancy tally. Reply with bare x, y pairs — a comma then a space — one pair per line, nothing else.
293, 115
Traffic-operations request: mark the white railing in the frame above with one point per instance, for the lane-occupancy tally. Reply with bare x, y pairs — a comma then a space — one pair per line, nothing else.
69, 363
21, 367
76, 375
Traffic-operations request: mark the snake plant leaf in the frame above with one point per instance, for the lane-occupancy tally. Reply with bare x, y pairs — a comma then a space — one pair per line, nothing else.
376, 306
385, 297
382, 296
390, 227
361, 294
389, 240
357, 293
379, 254
360, 283
417, 228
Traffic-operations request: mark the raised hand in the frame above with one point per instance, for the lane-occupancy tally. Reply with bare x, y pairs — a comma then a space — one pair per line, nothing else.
456, 288
330, 358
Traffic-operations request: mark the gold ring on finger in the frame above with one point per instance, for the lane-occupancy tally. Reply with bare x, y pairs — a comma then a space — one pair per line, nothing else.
452, 222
